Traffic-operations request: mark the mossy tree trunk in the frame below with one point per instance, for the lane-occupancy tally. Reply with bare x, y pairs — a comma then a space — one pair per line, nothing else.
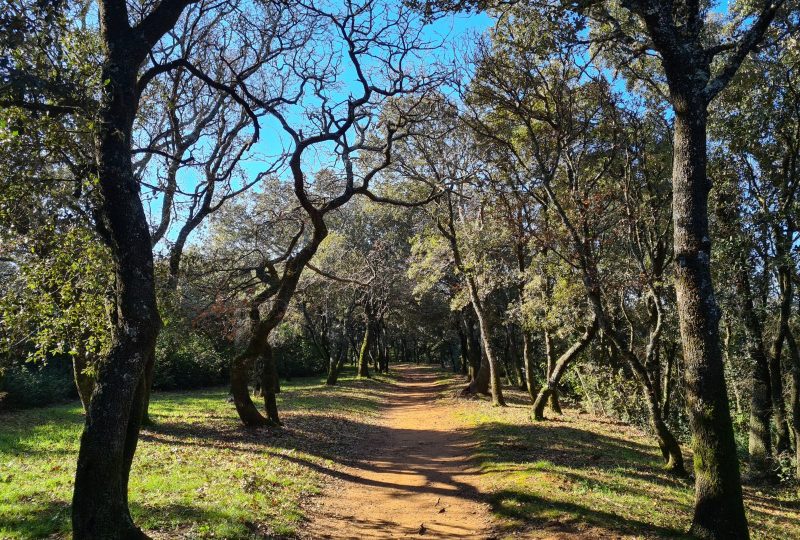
719, 508
759, 440
559, 368
84, 381
366, 345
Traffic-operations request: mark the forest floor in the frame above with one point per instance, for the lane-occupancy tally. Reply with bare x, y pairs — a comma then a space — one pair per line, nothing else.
392, 456
439, 466
197, 472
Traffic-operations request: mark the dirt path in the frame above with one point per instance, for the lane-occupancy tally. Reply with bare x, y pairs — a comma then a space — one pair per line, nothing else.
413, 478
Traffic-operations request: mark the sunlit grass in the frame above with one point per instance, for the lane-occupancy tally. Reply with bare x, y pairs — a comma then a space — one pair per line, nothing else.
197, 473
590, 477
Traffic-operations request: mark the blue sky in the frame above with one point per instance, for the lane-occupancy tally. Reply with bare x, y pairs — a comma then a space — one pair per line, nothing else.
452, 31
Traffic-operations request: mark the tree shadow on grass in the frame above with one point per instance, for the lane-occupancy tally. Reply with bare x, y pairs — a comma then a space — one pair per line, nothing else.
338, 439
179, 520
570, 518
35, 519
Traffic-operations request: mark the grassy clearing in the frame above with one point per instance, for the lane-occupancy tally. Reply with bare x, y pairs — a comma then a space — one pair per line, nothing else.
197, 472
587, 477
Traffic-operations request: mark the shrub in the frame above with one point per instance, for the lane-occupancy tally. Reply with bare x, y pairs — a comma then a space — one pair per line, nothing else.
27, 384
187, 359
299, 358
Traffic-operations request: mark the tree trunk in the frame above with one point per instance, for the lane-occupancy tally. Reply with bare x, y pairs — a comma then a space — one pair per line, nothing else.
794, 353
549, 351
560, 368
666, 400
670, 449
363, 355
383, 357
480, 382
241, 366
516, 365
83, 382
759, 442
478, 369
270, 385
335, 365
782, 440
111, 430
462, 342
527, 355
149, 372
718, 510
491, 359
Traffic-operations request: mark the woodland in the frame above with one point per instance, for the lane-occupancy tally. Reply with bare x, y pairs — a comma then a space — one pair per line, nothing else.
259, 259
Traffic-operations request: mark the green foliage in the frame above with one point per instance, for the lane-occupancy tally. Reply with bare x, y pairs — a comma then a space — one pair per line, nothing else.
187, 359
24, 385
295, 352
57, 299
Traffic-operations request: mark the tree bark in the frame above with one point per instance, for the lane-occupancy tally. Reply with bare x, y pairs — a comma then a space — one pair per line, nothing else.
462, 342
335, 365
795, 397
363, 354
560, 368
759, 441
270, 385
83, 383
782, 440
110, 434
527, 355
149, 373
493, 364
718, 510
478, 368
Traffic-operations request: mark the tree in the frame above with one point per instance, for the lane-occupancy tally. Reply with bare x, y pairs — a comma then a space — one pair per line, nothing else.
108, 442
447, 154
698, 59
756, 208
366, 123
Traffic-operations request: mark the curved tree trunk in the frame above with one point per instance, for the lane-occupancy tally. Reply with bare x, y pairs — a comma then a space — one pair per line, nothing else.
110, 434
241, 366
280, 293
363, 354
560, 367
670, 448
491, 359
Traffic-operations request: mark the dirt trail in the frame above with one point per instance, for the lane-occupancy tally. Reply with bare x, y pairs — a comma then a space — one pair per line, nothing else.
413, 479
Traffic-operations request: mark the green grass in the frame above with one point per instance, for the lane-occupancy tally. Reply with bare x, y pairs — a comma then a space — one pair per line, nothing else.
588, 477
197, 473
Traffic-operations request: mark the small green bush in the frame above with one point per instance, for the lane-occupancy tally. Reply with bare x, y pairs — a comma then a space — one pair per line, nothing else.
299, 358
28, 384
187, 359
